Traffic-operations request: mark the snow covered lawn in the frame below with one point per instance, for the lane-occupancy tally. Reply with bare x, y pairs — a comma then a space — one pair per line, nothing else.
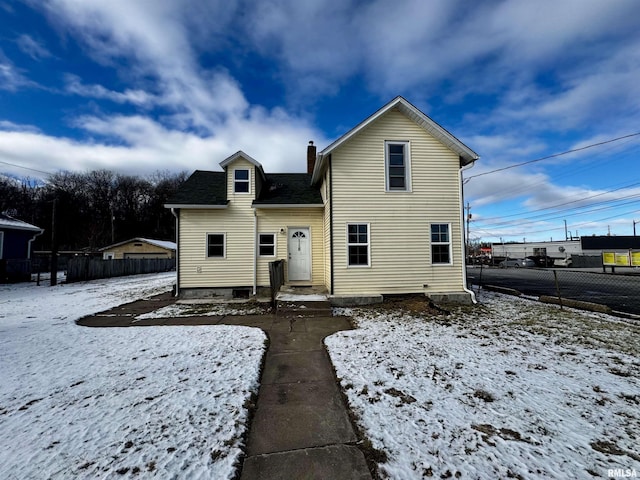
509, 389
79, 402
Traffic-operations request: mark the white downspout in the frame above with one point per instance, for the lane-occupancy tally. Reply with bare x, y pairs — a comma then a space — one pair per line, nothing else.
173, 211
464, 239
255, 252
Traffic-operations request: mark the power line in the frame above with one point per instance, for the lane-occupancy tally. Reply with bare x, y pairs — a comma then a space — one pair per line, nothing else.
26, 168
562, 211
553, 156
535, 220
551, 229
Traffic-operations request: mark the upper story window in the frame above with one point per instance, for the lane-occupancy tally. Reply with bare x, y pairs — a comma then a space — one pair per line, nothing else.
440, 243
241, 181
397, 166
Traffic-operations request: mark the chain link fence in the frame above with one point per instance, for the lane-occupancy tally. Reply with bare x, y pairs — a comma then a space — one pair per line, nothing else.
611, 291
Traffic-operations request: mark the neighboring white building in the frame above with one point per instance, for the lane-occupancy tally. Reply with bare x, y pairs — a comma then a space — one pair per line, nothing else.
553, 249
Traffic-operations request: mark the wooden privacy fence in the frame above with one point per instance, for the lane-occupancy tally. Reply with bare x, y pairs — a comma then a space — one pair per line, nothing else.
276, 278
85, 268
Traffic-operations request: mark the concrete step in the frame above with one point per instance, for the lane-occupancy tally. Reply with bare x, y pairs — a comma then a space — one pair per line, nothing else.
301, 308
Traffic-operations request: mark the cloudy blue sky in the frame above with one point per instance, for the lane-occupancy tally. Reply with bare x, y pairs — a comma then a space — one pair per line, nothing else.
139, 86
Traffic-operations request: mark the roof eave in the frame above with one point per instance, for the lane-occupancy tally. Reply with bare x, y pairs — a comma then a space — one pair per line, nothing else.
287, 205
195, 205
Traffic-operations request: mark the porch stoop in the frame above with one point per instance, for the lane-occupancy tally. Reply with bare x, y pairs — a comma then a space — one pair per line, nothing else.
302, 302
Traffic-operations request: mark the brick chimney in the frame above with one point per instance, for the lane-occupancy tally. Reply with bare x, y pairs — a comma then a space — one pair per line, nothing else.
311, 157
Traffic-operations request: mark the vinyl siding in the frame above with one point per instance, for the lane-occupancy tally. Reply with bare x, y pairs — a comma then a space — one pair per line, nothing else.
400, 253
236, 222
273, 220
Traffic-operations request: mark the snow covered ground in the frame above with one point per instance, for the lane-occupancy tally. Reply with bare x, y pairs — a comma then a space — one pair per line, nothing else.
509, 389
77, 402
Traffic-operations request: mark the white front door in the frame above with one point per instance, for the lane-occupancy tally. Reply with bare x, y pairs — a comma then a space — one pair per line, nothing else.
299, 254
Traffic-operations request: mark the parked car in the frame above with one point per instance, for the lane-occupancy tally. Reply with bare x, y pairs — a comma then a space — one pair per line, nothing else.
542, 260
517, 262
562, 262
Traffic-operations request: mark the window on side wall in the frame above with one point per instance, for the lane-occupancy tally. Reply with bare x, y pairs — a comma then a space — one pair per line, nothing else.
358, 245
241, 181
267, 244
215, 245
440, 244
397, 167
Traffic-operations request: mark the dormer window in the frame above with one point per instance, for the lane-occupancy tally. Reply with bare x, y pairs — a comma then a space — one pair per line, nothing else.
241, 181
397, 167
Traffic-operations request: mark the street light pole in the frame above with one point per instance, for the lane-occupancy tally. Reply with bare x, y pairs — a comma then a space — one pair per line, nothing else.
634, 227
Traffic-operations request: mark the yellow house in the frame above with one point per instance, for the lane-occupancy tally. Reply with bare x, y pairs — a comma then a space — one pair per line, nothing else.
378, 212
139, 248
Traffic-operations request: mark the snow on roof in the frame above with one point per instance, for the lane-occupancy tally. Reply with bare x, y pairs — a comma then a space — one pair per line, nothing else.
158, 243
14, 224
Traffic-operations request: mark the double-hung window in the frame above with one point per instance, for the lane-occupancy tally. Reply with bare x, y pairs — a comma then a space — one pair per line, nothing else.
397, 166
241, 181
358, 245
440, 243
267, 245
215, 245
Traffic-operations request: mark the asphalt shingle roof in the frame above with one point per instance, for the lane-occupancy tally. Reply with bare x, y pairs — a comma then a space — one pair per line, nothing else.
202, 188
210, 188
289, 189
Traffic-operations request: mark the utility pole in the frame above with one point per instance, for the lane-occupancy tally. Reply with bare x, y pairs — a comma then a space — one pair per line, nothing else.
566, 235
54, 246
634, 227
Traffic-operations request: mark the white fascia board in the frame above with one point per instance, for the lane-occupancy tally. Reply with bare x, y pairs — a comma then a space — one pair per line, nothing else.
197, 206
289, 205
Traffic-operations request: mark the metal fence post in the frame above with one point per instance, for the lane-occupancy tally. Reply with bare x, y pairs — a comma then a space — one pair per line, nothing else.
555, 276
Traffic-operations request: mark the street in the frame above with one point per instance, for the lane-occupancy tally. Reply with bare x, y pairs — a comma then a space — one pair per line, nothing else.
619, 292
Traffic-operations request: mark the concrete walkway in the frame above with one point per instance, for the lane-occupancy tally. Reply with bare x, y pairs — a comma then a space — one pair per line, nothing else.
301, 428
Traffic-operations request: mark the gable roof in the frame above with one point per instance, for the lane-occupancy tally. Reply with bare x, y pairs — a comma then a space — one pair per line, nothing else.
240, 154
157, 243
467, 155
289, 189
10, 223
203, 189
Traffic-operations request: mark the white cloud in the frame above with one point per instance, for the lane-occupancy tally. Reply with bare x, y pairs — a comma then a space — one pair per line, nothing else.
138, 97
11, 78
15, 127
139, 145
32, 47
203, 117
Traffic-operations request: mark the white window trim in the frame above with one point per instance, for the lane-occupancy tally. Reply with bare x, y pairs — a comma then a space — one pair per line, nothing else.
407, 172
450, 243
224, 245
248, 181
275, 244
368, 244
1, 243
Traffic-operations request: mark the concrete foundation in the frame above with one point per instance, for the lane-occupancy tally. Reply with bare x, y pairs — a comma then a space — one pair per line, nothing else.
456, 298
354, 300
222, 293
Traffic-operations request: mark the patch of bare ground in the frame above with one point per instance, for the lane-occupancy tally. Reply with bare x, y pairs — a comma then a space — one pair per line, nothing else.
416, 304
